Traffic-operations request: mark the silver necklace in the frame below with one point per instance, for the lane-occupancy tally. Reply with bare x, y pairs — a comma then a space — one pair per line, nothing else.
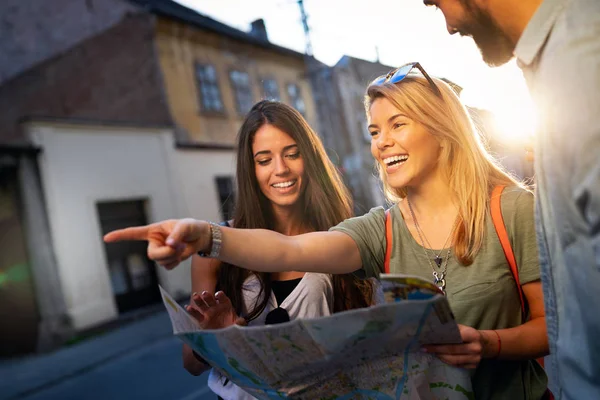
439, 277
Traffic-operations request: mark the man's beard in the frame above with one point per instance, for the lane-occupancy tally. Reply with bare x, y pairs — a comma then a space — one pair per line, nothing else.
496, 48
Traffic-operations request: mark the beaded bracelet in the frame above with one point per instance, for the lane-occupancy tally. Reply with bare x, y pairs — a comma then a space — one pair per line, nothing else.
499, 344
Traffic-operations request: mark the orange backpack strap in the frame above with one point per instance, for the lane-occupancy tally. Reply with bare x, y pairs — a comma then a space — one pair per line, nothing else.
388, 241
496, 211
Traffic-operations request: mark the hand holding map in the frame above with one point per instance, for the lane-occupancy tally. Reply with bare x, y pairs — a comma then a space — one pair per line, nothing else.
365, 353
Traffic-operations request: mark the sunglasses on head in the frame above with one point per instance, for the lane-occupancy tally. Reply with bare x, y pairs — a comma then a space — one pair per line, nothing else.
398, 74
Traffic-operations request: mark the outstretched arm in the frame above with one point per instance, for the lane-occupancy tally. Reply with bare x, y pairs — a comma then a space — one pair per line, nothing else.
170, 242
268, 251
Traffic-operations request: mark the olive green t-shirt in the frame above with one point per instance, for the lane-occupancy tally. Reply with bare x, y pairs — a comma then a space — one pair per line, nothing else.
483, 295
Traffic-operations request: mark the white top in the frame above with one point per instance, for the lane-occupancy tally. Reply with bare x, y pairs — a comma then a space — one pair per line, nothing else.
312, 297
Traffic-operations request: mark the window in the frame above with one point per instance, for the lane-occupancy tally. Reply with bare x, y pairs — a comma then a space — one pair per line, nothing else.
270, 89
296, 98
210, 96
226, 196
240, 81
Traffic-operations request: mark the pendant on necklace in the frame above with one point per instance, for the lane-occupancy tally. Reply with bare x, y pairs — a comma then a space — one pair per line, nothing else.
440, 280
438, 260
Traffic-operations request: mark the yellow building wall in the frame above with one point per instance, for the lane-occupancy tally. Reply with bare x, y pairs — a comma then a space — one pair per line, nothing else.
181, 46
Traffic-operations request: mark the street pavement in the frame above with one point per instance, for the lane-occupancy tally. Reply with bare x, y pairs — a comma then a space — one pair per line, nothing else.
141, 360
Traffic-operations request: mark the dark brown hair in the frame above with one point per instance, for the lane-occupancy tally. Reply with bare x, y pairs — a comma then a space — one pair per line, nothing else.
325, 200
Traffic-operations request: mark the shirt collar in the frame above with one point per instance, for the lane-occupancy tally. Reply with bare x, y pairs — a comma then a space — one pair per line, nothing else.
537, 31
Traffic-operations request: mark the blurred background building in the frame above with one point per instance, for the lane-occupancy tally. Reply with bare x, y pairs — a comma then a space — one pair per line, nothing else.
127, 116
124, 112
339, 94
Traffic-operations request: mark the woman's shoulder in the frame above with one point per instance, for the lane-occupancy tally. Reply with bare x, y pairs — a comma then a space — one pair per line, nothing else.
314, 285
379, 210
515, 192
375, 215
516, 200
311, 277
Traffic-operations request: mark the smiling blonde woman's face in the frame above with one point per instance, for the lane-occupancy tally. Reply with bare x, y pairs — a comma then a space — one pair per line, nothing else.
404, 149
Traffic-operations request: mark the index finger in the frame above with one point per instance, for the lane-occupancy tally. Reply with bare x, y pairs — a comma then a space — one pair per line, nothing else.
134, 233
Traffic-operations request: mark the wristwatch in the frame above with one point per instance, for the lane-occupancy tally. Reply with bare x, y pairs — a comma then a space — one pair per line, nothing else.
217, 240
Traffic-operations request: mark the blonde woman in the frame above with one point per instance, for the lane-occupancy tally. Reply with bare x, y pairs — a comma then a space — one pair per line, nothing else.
435, 168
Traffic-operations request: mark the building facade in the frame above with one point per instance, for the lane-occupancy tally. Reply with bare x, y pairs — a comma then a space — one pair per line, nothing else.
339, 94
133, 124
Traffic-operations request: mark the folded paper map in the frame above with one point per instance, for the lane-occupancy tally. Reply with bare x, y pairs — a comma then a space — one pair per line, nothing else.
369, 353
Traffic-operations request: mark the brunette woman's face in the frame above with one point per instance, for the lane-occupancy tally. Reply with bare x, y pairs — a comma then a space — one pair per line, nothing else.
278, 165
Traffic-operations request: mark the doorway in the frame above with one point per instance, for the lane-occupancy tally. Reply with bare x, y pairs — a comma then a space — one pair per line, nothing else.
133, 276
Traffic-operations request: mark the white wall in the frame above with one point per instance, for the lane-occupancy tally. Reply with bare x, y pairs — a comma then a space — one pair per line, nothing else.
196, 171
82, 165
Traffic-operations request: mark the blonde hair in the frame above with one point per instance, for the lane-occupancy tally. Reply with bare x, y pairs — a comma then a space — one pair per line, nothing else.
470, 170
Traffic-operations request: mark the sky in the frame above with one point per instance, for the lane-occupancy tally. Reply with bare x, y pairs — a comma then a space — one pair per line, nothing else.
399, 31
